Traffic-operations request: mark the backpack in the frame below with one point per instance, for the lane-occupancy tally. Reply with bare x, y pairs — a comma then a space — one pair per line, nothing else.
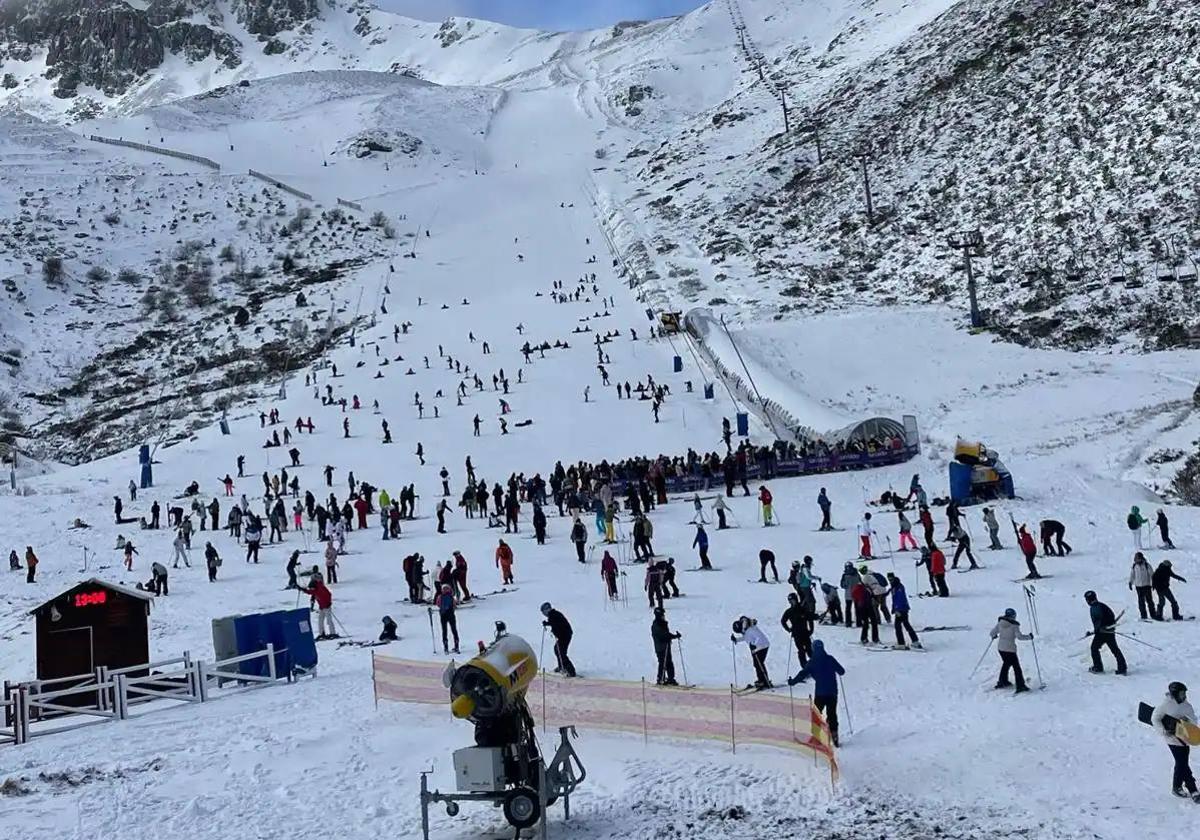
1134, 523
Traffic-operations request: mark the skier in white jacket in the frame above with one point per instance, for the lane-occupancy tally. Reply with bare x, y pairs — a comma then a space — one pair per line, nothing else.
1176, 705
865, 532
1141, 579
747, 630
1006, 632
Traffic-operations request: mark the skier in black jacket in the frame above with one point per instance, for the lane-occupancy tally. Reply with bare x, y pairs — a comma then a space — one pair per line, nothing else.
539, 524
560, 629
661, 633
1161, 581
1104, 627
796, 620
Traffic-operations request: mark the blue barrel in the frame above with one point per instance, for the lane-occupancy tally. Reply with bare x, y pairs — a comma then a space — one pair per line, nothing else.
708, 390
677, 364
743, 424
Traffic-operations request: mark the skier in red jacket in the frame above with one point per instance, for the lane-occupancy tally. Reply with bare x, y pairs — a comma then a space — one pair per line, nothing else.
322, 598
1029, 549
608, 571
765, 499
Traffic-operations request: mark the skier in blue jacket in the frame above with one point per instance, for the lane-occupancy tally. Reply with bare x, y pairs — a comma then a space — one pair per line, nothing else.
701, 544
824, 670
900, 612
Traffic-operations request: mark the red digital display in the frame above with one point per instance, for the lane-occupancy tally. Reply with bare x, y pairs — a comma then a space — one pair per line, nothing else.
90, 599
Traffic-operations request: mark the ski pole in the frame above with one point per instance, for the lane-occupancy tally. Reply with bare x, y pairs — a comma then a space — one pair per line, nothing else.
542, 649
338, 622
981, 658
788, 667
432, 637
682, 664
1139, 641
1036, 664
733, 650
846, 704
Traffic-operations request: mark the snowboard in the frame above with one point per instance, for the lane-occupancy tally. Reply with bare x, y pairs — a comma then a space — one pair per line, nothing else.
1027, 579
756, 580
1185, 731
702, 569
680, 687
946, 627
895, 647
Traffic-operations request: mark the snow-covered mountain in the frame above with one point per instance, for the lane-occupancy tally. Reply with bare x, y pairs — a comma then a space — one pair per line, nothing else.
973, 114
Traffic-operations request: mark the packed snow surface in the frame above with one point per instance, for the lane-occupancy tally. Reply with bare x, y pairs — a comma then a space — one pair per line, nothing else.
503, 200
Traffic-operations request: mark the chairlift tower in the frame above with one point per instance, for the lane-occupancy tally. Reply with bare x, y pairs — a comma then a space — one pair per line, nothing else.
970, 242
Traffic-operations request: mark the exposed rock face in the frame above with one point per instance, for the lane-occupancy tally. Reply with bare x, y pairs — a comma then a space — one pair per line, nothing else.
110, 44
378, 141
270, 17
196, 43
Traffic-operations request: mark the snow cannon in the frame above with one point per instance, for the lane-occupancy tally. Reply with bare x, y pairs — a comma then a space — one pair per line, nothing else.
977, 474
490, 684
506, 766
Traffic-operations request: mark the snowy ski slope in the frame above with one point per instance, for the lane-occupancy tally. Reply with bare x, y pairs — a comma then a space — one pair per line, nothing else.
928, 751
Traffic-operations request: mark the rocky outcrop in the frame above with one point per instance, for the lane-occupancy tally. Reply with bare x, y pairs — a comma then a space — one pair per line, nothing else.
379, 141
270, 17
197, 42
111, 44
106, 45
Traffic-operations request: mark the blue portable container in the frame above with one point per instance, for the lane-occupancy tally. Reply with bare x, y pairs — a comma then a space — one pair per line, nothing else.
292, 635
251, 635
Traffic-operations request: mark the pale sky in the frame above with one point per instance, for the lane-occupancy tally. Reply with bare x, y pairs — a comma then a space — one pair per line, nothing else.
542, 14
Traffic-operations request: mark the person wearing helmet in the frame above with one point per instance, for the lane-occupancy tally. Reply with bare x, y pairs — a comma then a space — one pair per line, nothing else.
504, 561
1104, 633
1175, 705
825, 670
900, 610
608, 571
747, 630
796, 620
561, 630
1135, 521
864, 605
1161, 581
833, 604
847, 583
660, 633
1007, 631
445, 606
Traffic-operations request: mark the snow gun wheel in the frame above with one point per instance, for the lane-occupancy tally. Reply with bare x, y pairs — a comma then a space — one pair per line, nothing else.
452, 809
521, 808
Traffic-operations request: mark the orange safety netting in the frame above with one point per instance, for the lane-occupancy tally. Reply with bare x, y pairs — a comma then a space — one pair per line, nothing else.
702, 713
